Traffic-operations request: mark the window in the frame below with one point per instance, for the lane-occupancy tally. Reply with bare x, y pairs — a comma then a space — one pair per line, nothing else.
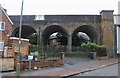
1, 45
2, 25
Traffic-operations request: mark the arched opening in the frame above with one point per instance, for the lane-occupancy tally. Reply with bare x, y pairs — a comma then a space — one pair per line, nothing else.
25, 32
28, 33
53, 29
88, 30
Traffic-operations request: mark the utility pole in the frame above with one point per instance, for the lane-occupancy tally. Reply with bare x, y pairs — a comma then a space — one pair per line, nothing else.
20, 28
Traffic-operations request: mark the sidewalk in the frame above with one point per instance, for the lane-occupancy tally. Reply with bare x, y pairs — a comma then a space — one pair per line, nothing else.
71, 66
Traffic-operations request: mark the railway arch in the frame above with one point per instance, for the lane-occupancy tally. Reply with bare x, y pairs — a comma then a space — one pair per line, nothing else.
100, 28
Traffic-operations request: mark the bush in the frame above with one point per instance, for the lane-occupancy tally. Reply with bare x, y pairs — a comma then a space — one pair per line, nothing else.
92, 46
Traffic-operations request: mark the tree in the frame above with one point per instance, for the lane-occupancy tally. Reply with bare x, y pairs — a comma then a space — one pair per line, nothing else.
33, 39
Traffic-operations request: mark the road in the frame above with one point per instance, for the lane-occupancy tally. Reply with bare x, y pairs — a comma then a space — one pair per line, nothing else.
106, 71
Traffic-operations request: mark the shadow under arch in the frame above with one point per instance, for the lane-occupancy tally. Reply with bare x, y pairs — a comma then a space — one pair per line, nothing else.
89, 30
53, 29
25, 32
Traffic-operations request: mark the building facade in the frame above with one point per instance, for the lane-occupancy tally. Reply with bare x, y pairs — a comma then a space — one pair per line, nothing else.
5, 28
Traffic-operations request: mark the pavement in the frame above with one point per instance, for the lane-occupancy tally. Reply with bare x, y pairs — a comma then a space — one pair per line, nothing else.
72, 66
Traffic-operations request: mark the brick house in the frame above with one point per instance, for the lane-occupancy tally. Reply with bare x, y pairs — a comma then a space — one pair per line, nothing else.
6, 41
5, 28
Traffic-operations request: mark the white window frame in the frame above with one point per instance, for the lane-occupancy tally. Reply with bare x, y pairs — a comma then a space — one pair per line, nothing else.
1, 45
2, 23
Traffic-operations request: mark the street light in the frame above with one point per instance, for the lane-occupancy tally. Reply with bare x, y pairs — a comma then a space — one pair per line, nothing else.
20, 28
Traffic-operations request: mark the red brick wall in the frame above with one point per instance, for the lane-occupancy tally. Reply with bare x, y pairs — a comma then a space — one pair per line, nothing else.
40, 63
10, 52
8, 26
24, 49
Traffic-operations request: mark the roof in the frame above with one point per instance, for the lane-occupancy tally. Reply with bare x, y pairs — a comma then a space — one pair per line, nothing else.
6, 14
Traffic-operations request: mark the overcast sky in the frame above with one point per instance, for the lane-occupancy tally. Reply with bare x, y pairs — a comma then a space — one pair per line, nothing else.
47, 7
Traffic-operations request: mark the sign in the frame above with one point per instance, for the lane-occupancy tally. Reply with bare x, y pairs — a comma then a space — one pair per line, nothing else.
30, 57
1, 45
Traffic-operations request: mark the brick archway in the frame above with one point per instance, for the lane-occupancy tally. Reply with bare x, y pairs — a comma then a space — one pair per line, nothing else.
26, 31
52, 29
89, 30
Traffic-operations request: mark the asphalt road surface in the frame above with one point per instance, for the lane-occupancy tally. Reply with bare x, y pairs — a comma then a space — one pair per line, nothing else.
106, 71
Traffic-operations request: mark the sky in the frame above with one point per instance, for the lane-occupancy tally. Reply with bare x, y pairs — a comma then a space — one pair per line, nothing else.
59, 7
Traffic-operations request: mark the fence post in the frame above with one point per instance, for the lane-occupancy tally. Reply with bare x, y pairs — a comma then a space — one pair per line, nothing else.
45, 56
62, 56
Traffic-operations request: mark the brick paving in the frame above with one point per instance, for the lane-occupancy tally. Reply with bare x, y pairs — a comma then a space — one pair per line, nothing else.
102, 63
60, 73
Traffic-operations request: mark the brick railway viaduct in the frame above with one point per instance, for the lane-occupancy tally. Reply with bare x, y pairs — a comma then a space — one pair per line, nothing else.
100, 28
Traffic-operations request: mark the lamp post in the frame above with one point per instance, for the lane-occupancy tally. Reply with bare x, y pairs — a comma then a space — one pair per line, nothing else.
20, 28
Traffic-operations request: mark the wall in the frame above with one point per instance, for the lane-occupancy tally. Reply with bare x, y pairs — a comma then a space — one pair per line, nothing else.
4, 35
24, 45
8, 27
107, 28
24, 64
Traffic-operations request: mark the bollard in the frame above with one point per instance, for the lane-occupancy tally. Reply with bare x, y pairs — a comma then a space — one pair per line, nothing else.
62, 57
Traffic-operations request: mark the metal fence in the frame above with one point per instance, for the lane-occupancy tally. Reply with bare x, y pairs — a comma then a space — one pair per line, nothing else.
64, 49
54, 51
